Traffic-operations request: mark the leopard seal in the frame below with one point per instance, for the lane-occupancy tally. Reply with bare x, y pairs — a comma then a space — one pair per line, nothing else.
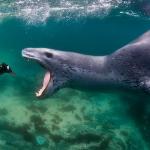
127, 67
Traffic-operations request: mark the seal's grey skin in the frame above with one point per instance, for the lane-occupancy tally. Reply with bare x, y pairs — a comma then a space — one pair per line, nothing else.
128, 66
141, 6
146, 7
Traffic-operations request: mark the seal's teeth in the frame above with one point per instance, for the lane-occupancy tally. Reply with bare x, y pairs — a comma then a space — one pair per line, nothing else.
37, 94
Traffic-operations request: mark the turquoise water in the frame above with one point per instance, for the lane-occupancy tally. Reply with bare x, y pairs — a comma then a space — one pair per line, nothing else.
71, 119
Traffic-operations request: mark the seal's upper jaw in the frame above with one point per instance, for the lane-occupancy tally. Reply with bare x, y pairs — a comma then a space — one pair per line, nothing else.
39, 54
33, 53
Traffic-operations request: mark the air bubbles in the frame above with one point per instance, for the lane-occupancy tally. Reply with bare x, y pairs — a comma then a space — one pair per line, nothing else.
38, 11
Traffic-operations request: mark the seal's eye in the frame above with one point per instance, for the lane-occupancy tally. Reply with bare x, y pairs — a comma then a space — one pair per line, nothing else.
49, 55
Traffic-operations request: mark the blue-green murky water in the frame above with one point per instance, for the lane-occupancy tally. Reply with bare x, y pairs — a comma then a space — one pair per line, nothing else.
71, 119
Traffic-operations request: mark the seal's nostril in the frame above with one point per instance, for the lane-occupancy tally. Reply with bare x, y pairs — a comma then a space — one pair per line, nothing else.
49, 55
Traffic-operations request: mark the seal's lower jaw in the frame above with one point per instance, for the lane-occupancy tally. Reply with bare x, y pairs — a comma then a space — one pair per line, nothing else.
46, 81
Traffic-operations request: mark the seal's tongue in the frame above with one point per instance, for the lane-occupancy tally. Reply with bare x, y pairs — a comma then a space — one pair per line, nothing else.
46, 81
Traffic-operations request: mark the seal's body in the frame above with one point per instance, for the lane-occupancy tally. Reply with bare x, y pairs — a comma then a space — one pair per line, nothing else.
131, 63
129, 66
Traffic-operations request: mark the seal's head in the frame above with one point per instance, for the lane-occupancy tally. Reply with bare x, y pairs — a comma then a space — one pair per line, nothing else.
56, 71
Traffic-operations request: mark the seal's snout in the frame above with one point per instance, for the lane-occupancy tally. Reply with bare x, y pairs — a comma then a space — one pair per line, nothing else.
25, 52
29, 53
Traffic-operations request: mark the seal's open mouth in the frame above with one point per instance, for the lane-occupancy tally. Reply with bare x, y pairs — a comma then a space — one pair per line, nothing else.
47, 81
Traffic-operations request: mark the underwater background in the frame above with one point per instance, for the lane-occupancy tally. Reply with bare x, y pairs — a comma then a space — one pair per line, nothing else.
70, 119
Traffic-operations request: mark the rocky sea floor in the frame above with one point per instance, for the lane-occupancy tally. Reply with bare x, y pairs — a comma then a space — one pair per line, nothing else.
74, 120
